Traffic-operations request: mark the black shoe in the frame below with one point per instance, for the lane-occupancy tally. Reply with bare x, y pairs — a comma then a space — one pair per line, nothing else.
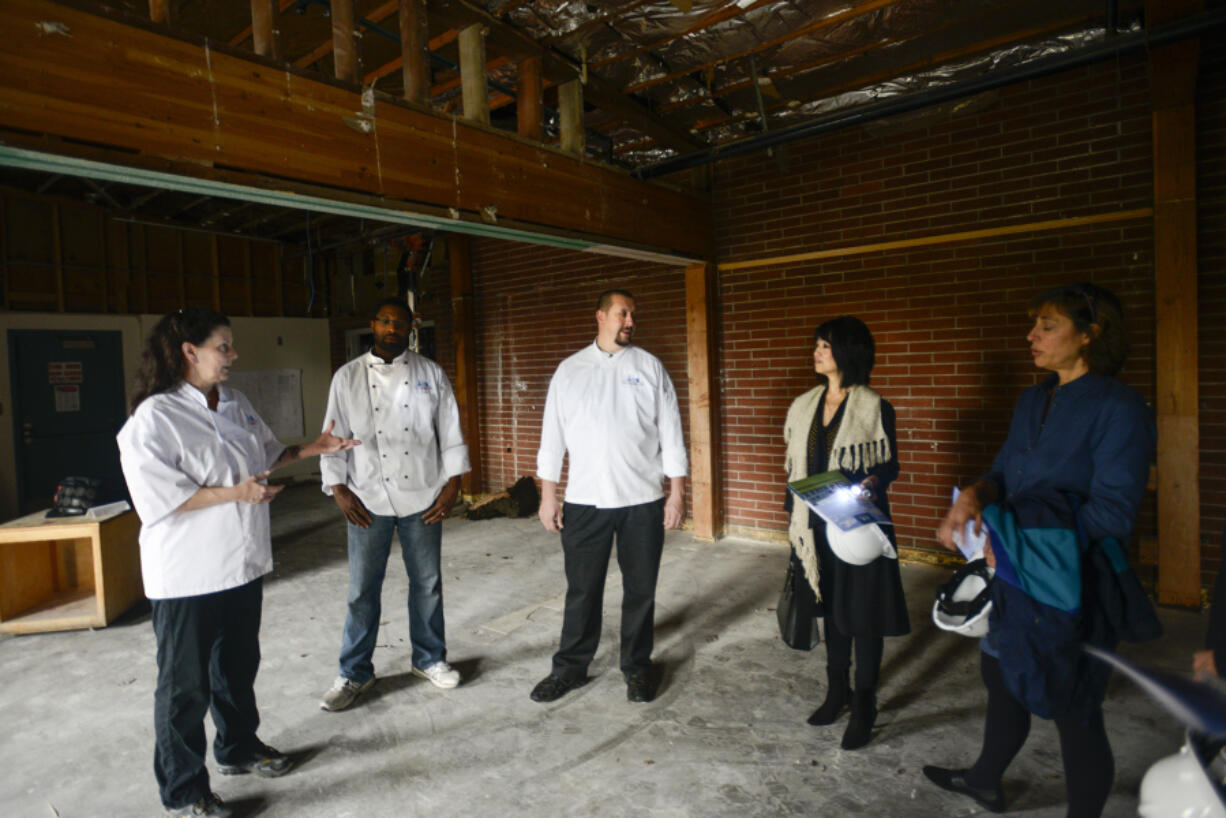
837, 693
210, 806
991, 799
640, 687
863, 717
552, 688
262, 760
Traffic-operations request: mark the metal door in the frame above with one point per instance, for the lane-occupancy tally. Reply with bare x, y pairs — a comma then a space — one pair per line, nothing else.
68, 404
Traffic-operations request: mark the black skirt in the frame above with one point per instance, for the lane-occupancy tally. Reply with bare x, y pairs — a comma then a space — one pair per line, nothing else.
861, 600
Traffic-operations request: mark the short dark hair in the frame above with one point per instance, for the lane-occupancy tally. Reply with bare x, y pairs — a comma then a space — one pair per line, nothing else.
1088, 306
392, 302
162, 366
606, 298
852, 346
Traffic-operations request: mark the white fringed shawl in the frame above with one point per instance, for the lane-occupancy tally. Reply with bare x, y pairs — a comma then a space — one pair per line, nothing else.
860, 444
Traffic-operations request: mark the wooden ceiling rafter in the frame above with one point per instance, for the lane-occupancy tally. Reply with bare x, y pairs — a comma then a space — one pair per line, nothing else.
446, 38
729, 12
986, 15
914, 67
559, 68
858, 10
592, 22
490, 66
376, 15
245, 35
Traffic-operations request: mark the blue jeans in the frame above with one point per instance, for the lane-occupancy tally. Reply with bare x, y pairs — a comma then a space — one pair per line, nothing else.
420, 545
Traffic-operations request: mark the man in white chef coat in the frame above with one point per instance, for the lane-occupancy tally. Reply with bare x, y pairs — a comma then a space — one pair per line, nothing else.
611, 407
401, 406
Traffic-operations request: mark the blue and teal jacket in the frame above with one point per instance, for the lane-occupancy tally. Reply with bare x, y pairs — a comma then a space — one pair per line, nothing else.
1071, 476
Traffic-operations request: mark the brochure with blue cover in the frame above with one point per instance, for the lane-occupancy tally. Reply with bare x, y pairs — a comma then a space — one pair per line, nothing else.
833, 498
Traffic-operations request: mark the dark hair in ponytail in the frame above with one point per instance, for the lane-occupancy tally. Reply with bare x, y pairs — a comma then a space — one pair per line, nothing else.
162, 365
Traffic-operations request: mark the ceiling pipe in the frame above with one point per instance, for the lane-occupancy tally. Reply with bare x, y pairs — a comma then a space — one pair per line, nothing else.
1180, 29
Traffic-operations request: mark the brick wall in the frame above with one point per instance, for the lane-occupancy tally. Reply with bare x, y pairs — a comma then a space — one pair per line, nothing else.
535, 306
950, 320
1211, 229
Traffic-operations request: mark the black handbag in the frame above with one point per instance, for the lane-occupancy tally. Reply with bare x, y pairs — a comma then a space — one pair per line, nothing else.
798, 609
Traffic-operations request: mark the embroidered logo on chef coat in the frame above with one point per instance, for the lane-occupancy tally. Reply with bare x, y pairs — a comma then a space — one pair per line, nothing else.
634, 380
423, 386
250, 420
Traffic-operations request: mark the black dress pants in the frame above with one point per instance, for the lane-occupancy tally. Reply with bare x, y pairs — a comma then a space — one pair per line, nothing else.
1089, 766
587, 539
208, 652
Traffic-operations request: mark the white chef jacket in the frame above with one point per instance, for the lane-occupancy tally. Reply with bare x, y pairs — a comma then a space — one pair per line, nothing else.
406, 416
174, 445
617, 416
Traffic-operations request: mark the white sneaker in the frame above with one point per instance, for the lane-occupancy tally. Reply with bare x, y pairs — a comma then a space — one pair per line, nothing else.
440, 674
343, 693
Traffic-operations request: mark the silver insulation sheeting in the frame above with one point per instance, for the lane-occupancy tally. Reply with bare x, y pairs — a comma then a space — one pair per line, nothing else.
696, 69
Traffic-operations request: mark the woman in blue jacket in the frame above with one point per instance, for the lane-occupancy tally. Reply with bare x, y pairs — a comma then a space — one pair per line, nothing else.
1084, 438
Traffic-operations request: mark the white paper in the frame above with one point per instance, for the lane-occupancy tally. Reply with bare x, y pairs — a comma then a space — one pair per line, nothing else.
108, 510
968, 542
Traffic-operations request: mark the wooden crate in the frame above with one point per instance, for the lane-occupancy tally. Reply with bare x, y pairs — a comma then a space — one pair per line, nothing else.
65, 573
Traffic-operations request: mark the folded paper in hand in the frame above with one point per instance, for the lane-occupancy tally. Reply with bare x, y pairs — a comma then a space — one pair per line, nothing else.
968, 541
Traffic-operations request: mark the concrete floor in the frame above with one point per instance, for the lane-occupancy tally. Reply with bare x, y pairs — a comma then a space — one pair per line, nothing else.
726, 736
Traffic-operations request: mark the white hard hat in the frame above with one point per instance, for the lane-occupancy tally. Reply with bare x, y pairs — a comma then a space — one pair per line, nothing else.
964, 601
1178, 786
861, 545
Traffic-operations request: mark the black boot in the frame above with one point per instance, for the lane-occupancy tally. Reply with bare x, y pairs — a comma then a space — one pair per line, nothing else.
863, 715
838, 690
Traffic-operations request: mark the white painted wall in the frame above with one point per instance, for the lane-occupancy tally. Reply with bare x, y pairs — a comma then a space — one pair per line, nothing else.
263, 343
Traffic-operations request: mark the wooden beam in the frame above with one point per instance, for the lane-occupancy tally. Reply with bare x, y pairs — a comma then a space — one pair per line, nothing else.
446, 38
344, 41
1174, 70
943, 238
462, 334
472, 73
245, 34
701, 322
325, 48
969, 28
558, 68
264, 27
712, 18
856, 10
530, 100
414, 36
570, 117
150, 100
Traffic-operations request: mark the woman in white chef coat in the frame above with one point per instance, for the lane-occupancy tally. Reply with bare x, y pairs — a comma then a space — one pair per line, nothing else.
195, 455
